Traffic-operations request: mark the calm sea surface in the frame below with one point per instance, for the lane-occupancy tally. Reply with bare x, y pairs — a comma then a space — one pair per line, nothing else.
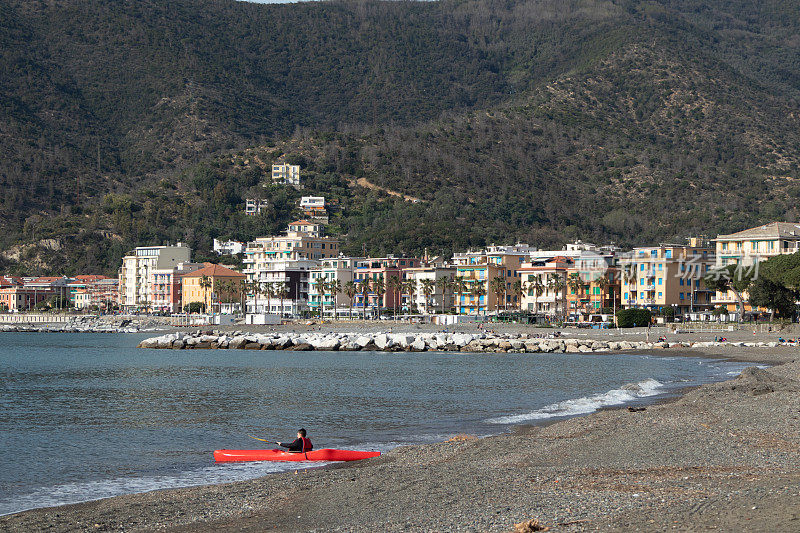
86, 416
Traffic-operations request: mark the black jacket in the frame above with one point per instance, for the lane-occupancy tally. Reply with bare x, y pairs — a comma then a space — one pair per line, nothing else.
296, 445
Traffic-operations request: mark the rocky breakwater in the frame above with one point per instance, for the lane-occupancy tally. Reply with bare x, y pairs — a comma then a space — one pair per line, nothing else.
408, 342
76, 325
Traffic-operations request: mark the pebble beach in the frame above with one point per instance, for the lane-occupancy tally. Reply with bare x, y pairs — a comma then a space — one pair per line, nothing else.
722, 456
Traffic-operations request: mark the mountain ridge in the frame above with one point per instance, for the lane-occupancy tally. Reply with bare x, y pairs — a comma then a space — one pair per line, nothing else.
517, 120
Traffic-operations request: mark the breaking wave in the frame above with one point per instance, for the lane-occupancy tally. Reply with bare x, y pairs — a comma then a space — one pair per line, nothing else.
587, 404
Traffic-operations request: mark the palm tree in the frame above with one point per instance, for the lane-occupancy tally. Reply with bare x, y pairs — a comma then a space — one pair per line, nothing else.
205, 284
243, 288
479, 290
268, 290
379, 288
364, 287
428, 287
498, 287
350, 289
537, 287
410, 288
335, 288
556, 284
396, 286
575, 284
459, 287
321, 285
443, 284
604, 282
518, 288
282, 292
223, 292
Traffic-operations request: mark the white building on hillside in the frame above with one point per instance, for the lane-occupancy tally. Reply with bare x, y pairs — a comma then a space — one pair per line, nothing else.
284, 174
228, 247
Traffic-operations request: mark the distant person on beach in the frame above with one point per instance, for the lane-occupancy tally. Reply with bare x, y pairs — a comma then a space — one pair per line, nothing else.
299, 445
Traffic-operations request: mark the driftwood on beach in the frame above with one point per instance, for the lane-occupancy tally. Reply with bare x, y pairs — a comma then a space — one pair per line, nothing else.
407, 342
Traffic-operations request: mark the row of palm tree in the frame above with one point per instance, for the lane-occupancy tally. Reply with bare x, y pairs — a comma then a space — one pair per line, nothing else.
377, 288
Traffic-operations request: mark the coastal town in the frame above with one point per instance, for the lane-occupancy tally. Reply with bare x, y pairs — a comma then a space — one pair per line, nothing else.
303, 274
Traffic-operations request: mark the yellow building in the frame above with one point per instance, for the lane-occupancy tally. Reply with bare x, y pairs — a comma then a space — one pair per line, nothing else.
749, 247
223, 286
285, 174
667, 275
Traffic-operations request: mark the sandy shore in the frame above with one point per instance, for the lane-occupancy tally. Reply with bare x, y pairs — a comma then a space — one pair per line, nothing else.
724, 456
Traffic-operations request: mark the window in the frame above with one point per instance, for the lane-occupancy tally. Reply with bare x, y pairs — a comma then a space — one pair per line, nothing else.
641, 295
680, 282
660, 267
668, 254
681, 296
660, 294
625, 296
641, 267
660, 281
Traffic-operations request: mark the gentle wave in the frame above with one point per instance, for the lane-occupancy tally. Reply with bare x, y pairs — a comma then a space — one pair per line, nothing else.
69, 493
588, 404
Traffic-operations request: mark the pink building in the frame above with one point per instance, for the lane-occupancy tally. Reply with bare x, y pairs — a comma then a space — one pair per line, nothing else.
167, 291
383, 268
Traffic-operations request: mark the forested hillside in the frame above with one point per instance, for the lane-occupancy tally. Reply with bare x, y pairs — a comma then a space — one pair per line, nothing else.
126, 123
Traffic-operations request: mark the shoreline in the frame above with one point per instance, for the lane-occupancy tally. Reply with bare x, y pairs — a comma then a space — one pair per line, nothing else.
263, 494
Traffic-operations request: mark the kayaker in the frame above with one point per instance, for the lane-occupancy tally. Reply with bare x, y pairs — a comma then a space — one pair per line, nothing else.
299, 445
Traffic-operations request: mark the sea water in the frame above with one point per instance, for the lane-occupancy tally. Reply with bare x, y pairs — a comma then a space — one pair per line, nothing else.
86, 416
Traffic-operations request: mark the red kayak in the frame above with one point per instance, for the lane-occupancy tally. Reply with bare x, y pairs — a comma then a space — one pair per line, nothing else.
325, 454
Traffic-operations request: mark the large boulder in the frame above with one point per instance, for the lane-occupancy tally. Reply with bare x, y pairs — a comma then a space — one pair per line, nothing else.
461, 339
402, 339
329, 344
418, 345
363, 340
382, 341
237, 343
302, 347
149, 343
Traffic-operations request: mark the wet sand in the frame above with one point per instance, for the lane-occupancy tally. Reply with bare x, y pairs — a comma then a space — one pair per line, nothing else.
724, 456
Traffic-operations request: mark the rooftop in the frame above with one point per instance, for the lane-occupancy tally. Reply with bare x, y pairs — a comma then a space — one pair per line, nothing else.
773, 230
212, 271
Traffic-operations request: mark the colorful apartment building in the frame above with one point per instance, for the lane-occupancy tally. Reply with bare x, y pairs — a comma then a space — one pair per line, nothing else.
136, 279
384, 269
748, 248
166, 294
544, 282
593, 285
440, 299
340, 270
287, 259
16, 297
94, 292
667, 275
223, 287
477, 269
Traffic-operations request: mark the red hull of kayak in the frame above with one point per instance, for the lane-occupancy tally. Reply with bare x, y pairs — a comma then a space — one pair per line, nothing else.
325, 454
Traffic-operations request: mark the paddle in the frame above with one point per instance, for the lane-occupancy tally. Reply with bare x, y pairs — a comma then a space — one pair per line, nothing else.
264, 440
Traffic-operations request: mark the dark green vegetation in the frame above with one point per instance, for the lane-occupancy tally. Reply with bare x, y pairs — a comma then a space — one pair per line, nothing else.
125, 123
631, 318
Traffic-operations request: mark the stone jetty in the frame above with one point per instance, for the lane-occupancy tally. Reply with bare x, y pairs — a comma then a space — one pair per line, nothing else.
78, 325
410, 342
